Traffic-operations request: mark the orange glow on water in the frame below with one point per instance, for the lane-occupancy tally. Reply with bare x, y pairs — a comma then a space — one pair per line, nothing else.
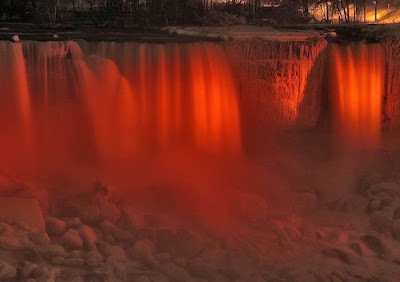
357, 84
123, 102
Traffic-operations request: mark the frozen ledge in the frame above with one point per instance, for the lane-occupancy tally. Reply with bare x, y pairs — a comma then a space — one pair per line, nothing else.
245, 31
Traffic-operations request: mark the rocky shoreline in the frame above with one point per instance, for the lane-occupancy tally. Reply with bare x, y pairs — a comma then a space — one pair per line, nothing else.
95, 237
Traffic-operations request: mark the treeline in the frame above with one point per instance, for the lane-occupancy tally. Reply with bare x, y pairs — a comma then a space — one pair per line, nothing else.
179, 12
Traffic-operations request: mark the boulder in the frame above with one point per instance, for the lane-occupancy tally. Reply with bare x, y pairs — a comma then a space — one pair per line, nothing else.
131, 219
251, 206
84, 207
39, 238
390, 188
9, 242
21, 211
144, 250
381, 221
55, 226
91, 209
7, 271
51, 251
374, 244
71, 240
93, 258
48, 274
28, 269
88, 236
6, 227
396, 228
176, 273
74, 262
108, 211
337, 254
114, 252
73, 222
108, 228
57, 260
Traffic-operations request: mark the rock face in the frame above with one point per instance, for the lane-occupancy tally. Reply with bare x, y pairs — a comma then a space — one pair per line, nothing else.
392, 101
22, 211
279, 81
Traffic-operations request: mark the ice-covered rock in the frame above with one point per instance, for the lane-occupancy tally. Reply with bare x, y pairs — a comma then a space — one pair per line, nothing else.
51, 251
381, 221
93, 258
174, 272
57, 261
341, 255
374, 244
88, 236
91, 209
48, 274
198, 267
6, 227
15, 38
131, 219
28, 269
115, 252
390, 189
7, 271
74, 262
8, 241
22, 211
396, 228
39, 238
71, 240
73, 222
162, 257
144, 250
55, 226
252, 206
110, 229
108, 211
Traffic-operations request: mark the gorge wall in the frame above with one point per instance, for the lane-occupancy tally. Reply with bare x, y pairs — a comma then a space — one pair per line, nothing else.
279, 81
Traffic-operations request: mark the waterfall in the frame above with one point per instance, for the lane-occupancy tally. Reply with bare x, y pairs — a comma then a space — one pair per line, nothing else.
104, 102
356, 85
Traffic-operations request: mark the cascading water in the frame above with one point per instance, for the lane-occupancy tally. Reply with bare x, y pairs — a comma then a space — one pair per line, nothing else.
60, 104
356, 78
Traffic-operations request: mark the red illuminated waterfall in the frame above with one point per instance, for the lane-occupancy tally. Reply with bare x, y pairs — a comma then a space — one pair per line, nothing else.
61, 102
357, 85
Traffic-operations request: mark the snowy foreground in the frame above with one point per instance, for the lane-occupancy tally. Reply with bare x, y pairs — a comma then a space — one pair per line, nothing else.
96, 238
